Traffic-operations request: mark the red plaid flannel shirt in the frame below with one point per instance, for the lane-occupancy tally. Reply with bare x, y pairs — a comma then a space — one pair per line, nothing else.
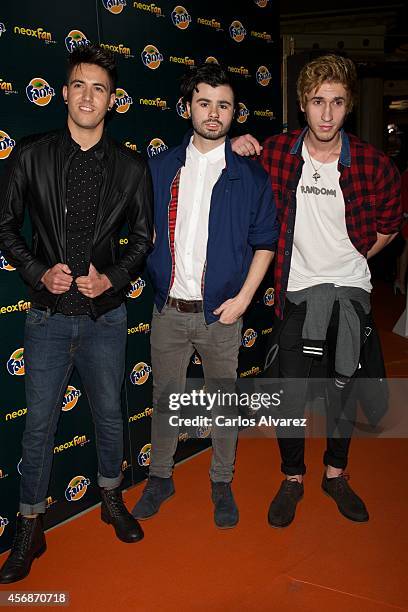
371, 189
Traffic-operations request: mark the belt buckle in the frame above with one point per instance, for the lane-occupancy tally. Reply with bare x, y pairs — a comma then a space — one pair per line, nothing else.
181, 306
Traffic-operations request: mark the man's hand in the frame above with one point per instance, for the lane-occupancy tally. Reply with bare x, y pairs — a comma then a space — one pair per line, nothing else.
246, 145
232, 309
94, 284
57, 279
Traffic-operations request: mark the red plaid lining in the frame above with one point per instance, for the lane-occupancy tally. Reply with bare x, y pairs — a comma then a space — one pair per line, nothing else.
174, 190
371, 191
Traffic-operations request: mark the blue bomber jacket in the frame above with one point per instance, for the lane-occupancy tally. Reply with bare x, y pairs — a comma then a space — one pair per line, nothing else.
242, 219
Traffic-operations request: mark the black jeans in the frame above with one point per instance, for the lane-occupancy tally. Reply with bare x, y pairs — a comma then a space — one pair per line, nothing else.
293, 363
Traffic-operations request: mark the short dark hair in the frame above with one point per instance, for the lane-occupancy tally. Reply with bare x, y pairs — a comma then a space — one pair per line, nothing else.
209, 73
94, 54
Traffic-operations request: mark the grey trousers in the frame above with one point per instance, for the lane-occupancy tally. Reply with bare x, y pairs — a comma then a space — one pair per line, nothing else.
174, 337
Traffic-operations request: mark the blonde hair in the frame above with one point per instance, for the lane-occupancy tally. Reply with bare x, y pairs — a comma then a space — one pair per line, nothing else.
331, 68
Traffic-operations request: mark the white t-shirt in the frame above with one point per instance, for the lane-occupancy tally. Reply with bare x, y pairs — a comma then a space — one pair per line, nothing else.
197, 179
322, 250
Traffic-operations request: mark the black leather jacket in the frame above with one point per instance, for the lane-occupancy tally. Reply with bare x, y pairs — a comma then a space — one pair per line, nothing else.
36, 178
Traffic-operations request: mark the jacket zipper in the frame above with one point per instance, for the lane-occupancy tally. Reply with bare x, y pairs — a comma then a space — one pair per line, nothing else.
63, 196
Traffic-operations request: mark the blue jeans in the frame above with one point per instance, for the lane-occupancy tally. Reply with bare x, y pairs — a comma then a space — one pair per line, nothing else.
53, 346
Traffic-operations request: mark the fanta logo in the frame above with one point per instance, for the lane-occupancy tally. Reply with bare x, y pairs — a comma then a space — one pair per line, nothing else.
196, 359
3, 524
38, 33
262, 3
249, 337
76, 39
143, 458
77, 488
3, 262
203, 431
180, 17
243, 113
2, 28
39, 92
140, 373
122, 101
263, 76
211, 60
237, 31
151, 57
136, 288
181, 109
114, 6
15, 364
156, 146
269, 297
71, 398
6, 146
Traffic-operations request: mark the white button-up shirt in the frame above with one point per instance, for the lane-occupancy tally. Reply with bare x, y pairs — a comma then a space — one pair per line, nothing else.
197, 179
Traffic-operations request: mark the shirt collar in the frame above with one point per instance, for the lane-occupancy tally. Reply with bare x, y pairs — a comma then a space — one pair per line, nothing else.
212, 156
345, 156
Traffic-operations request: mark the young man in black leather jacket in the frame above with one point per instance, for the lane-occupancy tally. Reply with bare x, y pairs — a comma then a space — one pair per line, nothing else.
79, 187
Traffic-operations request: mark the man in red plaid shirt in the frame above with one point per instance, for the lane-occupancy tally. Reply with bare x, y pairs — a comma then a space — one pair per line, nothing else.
338, 203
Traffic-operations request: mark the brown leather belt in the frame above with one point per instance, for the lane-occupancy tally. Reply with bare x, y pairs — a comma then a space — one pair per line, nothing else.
185, 305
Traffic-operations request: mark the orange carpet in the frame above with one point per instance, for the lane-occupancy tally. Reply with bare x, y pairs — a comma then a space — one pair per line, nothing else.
321, 562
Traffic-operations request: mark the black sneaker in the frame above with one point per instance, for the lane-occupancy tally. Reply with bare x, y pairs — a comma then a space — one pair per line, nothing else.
283, 507
226, 513
156, 491
349, 503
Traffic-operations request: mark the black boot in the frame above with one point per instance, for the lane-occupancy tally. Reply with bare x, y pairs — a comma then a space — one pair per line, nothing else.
115, 513
29, 543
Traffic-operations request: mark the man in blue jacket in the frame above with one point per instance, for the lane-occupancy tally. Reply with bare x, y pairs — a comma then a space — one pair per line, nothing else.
215, 224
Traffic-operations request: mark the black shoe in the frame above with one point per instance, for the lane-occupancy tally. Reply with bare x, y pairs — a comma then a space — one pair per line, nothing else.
115, 513
29, 543
349, 503
283, 507
226, 513
156, 491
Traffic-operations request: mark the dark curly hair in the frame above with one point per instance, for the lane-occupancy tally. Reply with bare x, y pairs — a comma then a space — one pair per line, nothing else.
209, 73
93, 54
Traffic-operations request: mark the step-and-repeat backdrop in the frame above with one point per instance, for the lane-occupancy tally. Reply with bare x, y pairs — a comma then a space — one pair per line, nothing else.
154, 44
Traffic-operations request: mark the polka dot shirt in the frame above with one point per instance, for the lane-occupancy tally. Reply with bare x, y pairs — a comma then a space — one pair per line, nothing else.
83, 186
